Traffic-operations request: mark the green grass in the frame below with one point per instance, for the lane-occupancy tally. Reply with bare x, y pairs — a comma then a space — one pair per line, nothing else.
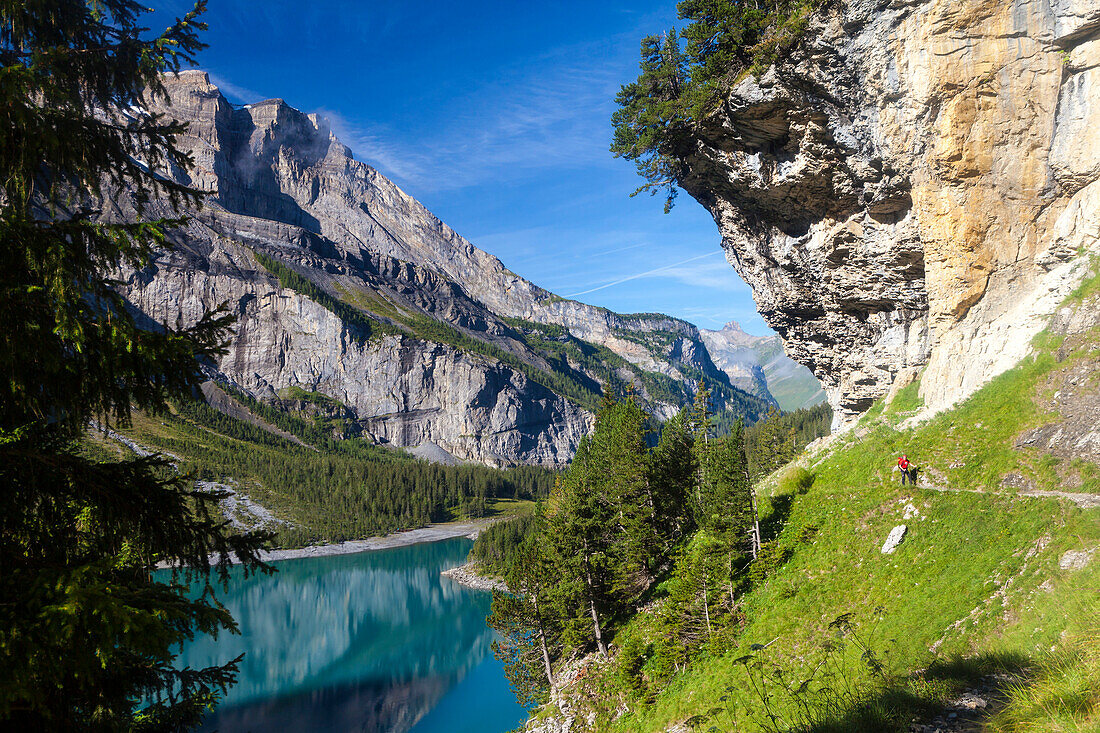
1090, 286
511, 507
1063, 695
906, 400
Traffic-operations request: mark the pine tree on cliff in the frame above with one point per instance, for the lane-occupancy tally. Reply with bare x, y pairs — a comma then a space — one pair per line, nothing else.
659, 114
651, 124
86, 630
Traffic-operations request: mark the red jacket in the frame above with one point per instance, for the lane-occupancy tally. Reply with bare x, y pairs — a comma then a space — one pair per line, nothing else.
903, 463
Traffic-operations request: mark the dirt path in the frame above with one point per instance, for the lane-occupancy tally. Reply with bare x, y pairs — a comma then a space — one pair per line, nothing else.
1085, 501
968, 712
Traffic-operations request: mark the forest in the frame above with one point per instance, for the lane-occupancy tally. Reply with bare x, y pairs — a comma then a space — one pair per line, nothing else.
327, 489
634, 518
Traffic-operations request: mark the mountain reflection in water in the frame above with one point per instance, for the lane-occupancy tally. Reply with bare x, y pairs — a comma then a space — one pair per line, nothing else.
365, 642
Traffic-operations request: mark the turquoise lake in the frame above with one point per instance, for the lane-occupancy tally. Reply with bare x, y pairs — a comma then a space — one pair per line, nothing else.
376, 641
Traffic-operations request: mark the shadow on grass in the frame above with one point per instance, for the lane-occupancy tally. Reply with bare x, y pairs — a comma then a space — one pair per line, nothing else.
927, 695
773, 523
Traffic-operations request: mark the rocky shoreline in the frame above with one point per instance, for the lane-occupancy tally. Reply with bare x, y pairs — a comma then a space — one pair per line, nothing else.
469, 576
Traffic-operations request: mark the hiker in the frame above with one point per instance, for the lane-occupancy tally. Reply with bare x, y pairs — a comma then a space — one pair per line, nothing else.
905, 467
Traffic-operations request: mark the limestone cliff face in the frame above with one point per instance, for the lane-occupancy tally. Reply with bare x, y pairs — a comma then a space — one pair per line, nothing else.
401, 390
455, 358
914, 188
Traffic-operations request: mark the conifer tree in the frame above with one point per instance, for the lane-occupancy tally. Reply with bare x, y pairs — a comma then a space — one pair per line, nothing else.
672, 476
694, 607
652, 122
579, 522
526, 621
619, 465
86, 631
773, 446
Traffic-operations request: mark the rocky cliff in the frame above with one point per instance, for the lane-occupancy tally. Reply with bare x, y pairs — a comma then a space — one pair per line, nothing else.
914, 188
349, 292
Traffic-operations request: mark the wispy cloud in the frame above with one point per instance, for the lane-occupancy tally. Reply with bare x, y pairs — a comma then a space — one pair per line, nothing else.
716, 317
707, 276
375, 147
620, 249
550, 112
235, 93
647, 273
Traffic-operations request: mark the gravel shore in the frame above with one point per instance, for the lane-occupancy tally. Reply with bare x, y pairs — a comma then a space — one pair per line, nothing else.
469, 576
431, 533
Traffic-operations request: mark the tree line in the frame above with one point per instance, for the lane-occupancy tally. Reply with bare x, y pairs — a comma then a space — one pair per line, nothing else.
779, 437
628, 512
334, 490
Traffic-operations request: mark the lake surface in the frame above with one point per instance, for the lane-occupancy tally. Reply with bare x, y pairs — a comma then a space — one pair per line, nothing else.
376, 641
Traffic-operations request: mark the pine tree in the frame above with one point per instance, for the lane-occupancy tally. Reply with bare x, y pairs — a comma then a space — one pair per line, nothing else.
526, 621
773, 444
673, 470
579, 522
619, 466
694, 605
86, 630
651, 123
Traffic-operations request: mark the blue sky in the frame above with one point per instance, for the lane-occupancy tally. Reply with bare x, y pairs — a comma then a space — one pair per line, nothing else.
496, 115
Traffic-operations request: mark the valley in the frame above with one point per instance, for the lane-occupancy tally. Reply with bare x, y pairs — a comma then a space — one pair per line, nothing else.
282, 449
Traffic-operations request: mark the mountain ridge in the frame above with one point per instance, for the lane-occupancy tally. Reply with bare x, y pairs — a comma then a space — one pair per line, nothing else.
343, 284
759, 364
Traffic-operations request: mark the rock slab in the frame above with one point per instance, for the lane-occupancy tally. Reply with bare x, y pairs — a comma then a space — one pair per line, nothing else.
897, 534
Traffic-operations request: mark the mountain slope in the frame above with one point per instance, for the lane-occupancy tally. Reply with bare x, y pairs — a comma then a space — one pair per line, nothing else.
346, 286
758, 364
989, 596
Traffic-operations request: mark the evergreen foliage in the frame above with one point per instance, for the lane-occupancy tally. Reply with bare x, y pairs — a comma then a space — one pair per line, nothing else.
330, 490
779, 437
659, 114
529, 628
497, 547
86, 632
619, 526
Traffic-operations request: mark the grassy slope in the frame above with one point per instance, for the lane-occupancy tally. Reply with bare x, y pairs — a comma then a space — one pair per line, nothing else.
976, 578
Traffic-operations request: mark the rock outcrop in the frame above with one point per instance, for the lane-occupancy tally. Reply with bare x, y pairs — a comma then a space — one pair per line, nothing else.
346, 287
914, 187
